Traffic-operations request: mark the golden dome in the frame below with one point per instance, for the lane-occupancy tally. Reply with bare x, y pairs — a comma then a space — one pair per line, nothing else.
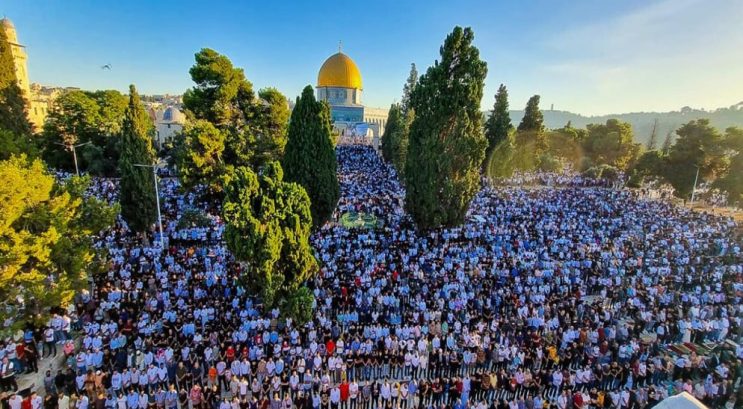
339, 71
6, 23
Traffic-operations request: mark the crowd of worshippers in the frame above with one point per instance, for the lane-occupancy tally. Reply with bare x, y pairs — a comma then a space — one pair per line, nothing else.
544, 298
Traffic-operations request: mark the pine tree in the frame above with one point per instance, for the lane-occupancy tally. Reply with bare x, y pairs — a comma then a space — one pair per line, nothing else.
13, 116
309, 156
446, 143
699, 146
138, 204
407, 90
498, 126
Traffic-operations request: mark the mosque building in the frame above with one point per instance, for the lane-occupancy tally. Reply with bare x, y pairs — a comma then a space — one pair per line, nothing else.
339, 84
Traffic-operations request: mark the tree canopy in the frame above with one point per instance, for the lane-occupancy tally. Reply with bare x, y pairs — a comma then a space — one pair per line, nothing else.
46, 248
611, 144
245, 130
137, 197
199, 156
79, 117
698, 145
268, 228
498, 125
309, 157
407, 90
395, 138
446, 143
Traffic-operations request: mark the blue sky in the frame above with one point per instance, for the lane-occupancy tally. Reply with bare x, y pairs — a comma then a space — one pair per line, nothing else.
586, 56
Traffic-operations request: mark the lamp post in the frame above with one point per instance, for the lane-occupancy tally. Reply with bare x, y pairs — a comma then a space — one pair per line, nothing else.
74, 152
694, 189
157, 197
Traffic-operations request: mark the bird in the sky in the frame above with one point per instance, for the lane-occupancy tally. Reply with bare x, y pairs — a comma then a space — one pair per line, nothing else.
106, 67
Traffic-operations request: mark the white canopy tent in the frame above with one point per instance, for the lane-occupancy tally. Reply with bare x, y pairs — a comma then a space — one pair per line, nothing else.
681, 401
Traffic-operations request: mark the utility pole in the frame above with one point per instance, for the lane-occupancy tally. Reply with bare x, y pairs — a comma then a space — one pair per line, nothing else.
157, 198
694, 189
72, 148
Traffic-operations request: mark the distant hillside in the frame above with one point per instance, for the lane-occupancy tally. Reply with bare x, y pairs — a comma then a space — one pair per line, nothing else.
642, 122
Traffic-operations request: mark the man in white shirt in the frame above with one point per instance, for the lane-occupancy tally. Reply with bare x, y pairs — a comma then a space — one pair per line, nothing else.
15, 401
335, 397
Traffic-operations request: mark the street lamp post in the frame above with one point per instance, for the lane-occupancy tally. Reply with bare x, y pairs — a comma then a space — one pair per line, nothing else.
74, 152
157, 198
694, 189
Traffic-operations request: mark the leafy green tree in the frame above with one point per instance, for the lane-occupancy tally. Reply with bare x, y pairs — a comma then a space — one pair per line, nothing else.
667, 143
14, 144
395, 138
650, 163
446, 143
222, 95
611, 144
699, 146
530, 136
732, 180
309, 158
533, 120
268, 227
498, 126
46, 239
198, 156
273, 117
79, 117
137, 197
12, 101
407, 90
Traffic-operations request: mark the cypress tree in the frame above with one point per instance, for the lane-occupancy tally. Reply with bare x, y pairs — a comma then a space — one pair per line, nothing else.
498, 125
446, 143
268, 230
395, 138
407, 90
309, 156
138, 204
533, 120
530, 136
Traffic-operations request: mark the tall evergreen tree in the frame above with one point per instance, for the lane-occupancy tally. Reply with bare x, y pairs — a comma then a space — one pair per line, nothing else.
530, 136
268, 230
447, 145
273, 117
137, 198
699, 146
223, 96
732, 181
395, 138
13, 116
407, 90
533, 120
667, 143
498, 126
309, 156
